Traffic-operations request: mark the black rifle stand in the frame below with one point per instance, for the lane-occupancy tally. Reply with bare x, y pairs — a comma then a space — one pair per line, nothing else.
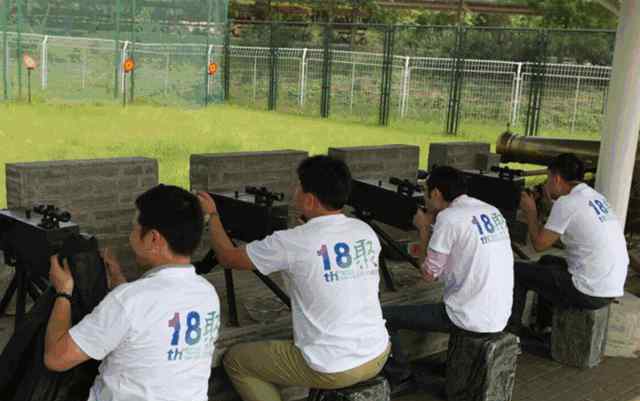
23, 284
391, 243
231, 293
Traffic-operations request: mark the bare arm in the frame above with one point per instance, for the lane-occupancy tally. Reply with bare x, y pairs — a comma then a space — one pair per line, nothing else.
60, 351
228, 254
541, 238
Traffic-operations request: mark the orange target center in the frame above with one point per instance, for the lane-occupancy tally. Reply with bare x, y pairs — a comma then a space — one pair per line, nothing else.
29, 62
129, 65
213, 68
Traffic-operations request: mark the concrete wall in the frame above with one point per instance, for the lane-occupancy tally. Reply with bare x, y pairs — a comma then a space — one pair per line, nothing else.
99, 194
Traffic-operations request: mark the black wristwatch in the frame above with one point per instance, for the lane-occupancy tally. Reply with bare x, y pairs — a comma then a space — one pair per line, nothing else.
64, 295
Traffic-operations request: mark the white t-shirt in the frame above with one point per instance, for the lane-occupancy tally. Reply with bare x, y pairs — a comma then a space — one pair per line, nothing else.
331, 264
478, 276
155, 337
594, 241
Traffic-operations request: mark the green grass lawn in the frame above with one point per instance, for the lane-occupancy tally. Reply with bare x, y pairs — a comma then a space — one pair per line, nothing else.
55, 132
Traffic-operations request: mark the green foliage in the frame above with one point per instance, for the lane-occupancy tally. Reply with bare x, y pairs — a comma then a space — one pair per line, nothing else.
574, 14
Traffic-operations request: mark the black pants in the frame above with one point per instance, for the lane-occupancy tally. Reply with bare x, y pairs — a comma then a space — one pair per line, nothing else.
426, 317
551, 280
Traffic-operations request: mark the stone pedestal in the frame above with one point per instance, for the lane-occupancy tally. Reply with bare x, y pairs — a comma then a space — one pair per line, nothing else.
376, 389
579, 336
461, 155
481, 368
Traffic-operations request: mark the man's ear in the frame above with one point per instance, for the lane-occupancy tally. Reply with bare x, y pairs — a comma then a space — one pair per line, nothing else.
310, 201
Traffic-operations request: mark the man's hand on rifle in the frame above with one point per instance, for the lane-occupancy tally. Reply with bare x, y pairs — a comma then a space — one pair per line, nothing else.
422, 220
114, 270
60, 276
528, 203
207, 203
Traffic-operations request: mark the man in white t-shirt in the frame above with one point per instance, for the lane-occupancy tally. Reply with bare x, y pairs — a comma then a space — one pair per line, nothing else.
331, 265
470, 250
596, 252
155, 336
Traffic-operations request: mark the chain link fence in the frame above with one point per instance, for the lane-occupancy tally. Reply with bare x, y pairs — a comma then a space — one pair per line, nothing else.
452, 79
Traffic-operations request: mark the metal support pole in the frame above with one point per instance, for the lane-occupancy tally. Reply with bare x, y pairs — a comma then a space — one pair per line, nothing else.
208, 78
405, 87
123, 57
166, 75
231, 297
84, 68
353, 84
44, 64
575, 105
255, 79
622, 122
117, 56
303, 76
516, 94
5, 46
19, 52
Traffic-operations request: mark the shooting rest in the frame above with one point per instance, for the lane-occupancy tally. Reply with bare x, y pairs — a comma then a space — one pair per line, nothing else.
28, 238
249, 216
392, 204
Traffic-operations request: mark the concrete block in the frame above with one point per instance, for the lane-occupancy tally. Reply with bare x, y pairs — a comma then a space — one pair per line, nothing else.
376, 389
579, 336
228, 172
623, 334
484, 161
461, 155
383, 161
481, 368
98, 193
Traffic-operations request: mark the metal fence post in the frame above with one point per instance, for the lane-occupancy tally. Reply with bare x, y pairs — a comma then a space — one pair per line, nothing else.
303, 76
19, 46
536, 90
273, 70
4, 15
387, 74
117, 60
455, 89
325, 102
227, 60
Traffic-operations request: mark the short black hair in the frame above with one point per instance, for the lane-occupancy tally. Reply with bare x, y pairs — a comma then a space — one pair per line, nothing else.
175, 213
328, 178
568, 166
450, 181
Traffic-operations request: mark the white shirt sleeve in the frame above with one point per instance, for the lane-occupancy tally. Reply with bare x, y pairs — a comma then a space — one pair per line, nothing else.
101, 331
270, 255
443, 236
560, 216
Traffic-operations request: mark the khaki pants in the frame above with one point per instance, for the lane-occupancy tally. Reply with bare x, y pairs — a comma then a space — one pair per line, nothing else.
256, 368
